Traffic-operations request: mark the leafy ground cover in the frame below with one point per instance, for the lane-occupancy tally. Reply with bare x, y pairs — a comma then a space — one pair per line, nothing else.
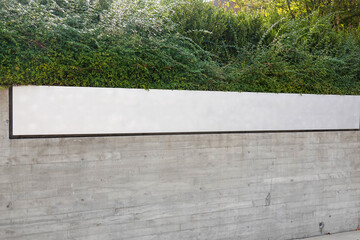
174, 45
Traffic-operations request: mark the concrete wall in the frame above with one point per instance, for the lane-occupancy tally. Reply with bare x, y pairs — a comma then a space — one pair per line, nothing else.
218, 186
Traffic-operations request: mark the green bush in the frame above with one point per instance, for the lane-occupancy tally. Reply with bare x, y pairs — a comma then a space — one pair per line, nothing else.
222, 33
173, 45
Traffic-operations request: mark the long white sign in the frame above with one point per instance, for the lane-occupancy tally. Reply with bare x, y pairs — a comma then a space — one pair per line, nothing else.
52, 111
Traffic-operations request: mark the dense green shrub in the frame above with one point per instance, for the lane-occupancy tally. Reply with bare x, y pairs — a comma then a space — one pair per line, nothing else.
173, 45
222, 33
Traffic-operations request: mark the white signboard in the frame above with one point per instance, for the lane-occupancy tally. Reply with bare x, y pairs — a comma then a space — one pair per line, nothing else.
76, 111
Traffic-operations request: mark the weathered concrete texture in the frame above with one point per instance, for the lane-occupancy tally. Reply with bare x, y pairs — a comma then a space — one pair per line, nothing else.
220, 186
340, 236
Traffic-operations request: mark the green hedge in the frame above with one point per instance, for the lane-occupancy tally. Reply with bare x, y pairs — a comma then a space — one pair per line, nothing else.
188, 45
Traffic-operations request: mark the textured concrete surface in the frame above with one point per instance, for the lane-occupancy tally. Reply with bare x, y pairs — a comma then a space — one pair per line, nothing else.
340, 236
273, 186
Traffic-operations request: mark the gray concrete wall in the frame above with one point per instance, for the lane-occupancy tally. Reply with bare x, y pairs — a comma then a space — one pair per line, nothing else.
220, 186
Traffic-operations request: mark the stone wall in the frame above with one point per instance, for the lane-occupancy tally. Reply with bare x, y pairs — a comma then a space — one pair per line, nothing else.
214, 186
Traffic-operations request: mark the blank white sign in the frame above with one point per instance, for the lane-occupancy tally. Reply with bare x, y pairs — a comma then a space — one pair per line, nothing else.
42, 111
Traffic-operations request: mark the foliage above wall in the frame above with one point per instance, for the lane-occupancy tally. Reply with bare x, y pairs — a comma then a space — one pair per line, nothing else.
174, 45
347, 12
